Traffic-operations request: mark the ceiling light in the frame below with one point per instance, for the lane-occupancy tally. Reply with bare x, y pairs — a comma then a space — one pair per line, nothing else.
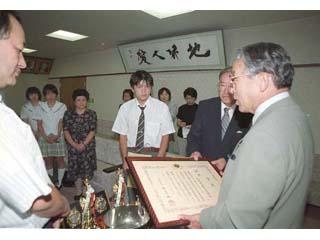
167, 13
65, 35
28, 50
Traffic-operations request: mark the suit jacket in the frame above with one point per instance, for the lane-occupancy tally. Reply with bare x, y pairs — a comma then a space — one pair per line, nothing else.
265, 186
205, 133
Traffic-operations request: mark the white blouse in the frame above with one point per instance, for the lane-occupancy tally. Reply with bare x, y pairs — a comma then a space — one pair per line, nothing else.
31, 114
51, 116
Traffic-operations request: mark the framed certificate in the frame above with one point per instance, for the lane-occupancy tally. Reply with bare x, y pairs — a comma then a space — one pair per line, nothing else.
173, 186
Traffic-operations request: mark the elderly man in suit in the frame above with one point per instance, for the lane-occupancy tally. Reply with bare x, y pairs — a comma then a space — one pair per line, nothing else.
218, 125
265, 185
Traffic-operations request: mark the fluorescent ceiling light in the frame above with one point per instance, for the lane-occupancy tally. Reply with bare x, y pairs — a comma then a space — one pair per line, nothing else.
166, 13
28, 50
65, 35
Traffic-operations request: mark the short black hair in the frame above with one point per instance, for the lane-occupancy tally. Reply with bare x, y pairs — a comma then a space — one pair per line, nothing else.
49, 88
139, 76
5, 26
191, 92
80, 92
129, 91
164, 89
33, 90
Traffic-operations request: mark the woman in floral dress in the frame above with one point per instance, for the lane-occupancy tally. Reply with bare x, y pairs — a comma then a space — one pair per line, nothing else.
79, 126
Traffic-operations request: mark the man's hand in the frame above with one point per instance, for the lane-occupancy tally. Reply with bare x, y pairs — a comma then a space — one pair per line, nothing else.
220, 163
196, 155
193, 219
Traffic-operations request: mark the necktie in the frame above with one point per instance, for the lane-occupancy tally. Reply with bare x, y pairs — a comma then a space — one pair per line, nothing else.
140, 133
225, 122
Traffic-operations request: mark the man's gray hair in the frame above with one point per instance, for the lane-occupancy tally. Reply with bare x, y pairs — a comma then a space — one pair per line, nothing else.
5, 26
270, 58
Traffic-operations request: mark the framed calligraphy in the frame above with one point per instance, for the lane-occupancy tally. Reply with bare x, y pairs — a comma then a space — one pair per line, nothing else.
194, 51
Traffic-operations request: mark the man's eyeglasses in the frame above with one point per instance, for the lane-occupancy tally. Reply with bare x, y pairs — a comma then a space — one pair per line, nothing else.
234, 77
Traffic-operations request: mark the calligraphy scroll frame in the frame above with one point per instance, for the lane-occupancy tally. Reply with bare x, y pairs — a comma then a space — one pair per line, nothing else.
212, 41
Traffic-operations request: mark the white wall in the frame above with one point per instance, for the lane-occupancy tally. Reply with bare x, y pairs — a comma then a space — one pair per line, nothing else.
108, 61
300, 38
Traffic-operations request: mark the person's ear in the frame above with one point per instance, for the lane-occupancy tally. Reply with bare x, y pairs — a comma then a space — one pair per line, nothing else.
264, 81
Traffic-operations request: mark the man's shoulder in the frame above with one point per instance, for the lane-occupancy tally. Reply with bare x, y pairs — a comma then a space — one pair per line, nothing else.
10, 119
128, 105
209, 102
156, 101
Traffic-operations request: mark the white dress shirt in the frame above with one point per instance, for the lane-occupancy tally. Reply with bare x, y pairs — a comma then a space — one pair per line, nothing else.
51, 116
31, 114
263, 106
23, 176
158, 121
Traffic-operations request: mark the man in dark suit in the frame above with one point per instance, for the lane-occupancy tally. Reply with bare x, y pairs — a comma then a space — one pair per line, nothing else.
218, 125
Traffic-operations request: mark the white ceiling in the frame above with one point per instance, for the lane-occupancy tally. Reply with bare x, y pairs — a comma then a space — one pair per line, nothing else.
108, 28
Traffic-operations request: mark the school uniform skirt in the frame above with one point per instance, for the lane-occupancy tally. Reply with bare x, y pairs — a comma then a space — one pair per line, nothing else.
52, 149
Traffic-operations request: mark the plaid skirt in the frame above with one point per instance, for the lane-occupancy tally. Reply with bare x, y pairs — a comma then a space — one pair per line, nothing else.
52, 149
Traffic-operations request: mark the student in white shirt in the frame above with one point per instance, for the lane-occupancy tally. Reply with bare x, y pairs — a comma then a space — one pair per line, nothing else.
157, 119
28, 199
52, 142
30, 112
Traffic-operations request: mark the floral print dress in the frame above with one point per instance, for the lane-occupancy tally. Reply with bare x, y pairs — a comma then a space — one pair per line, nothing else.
81, 164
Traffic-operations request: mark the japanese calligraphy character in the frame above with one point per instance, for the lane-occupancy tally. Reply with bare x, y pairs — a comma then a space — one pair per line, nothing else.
193, 51
142, 56
155, 54
174, 52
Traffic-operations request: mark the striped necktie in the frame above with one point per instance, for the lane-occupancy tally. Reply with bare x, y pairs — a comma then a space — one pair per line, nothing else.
140, 133
225, 122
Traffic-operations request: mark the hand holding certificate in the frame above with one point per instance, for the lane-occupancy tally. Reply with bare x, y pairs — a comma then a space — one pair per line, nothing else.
171, 187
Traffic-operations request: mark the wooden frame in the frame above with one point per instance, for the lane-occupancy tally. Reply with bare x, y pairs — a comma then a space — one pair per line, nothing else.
37, 65
44, 66
31, 63
151, 191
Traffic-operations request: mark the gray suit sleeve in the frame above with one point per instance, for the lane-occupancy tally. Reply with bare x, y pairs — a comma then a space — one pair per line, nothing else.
253, 185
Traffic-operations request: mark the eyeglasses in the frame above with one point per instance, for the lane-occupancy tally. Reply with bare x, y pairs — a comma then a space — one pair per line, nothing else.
237, 76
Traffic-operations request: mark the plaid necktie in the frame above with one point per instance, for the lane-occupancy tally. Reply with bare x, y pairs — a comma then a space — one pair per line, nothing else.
225, 122
140, 133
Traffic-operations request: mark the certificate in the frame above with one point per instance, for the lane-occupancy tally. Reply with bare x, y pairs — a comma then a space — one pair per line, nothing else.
171, 187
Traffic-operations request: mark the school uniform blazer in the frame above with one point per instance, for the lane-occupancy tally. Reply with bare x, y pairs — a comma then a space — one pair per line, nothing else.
205, 133
266, 183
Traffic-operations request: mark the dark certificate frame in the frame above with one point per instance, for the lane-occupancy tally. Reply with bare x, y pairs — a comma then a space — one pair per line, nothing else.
144, 195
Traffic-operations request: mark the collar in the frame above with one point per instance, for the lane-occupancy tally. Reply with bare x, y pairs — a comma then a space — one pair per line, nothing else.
55, 107
223, 106
266, 104
145, 104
